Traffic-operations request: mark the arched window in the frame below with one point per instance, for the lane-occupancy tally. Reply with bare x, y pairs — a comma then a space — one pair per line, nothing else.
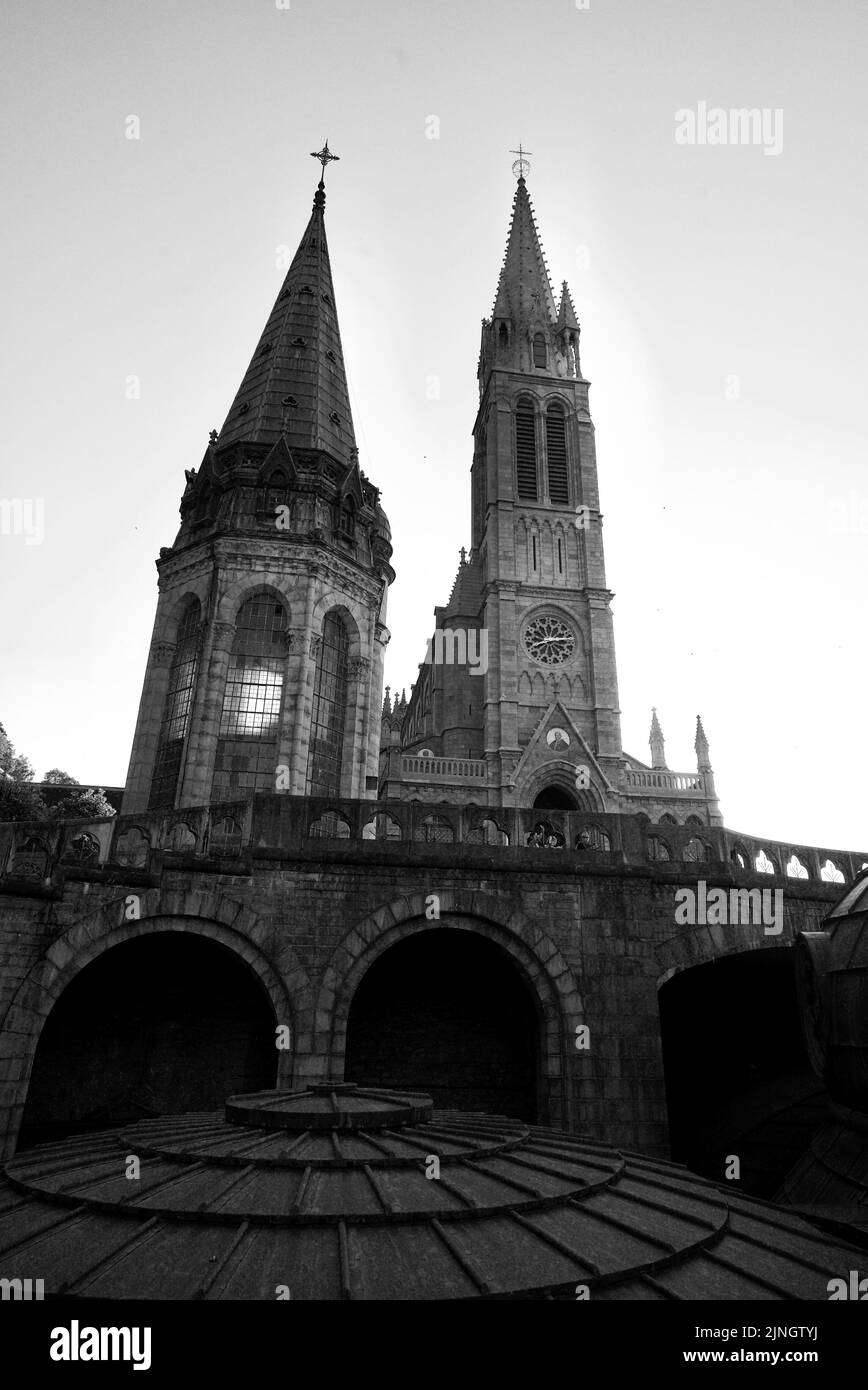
539, 350
525, 450
177, 710
503, 336
329, 719
556, 453
347, 518
247, 746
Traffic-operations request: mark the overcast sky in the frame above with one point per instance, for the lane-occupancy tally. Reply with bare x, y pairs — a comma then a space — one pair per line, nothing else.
721, 291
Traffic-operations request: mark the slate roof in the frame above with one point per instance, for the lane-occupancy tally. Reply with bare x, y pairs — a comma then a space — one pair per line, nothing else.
296, 383
326, 1192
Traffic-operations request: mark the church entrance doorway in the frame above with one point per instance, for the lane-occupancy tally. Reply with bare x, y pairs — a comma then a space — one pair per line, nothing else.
554, 799
160, 1025
447, 1012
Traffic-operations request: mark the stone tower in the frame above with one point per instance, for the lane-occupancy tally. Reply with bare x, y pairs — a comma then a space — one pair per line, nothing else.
265, 670
516, 703
530, 603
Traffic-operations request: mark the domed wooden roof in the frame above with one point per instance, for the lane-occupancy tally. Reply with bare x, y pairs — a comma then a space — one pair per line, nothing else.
326, 1194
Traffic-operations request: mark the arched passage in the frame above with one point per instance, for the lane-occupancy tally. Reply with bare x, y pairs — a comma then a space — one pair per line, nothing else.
554, 798
738, 1081
161, 1024
447, 1012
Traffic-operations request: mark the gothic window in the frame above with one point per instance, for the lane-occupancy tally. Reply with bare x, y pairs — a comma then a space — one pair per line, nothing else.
330, 826
434, 830
658, 849
763, 864
177, 710
830, 873
556, 454
525, 450
539, 350
347, 518
560, 557
795, 867
503, 336
328, 722
247, 745
693, 851
82, 849
534, 551
226, 836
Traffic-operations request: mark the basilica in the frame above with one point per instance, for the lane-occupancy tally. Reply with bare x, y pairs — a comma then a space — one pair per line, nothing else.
466, 897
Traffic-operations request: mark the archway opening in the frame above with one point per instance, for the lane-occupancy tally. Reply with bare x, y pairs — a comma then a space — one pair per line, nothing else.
447, 1012
738, 1081
167, 1023
554, 799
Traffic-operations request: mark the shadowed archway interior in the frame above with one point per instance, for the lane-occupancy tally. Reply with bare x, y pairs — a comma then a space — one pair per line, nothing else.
164, 1024
738, 1081
554, 799
447, 1012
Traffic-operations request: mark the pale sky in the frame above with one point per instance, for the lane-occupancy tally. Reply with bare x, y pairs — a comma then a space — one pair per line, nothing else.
721, 292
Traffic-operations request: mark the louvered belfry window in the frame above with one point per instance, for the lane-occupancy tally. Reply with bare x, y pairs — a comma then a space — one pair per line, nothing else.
556, 453
329, 718
525, 451
539, 350
177, 710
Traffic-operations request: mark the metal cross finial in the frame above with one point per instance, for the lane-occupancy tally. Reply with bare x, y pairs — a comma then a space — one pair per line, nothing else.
324, 156
522, 164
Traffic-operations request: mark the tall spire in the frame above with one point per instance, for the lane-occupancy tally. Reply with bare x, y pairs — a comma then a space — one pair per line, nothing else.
658, 750
295, 385
524, 292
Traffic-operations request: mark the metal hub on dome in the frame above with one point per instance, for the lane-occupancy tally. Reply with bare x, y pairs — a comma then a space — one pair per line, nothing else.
329, 1105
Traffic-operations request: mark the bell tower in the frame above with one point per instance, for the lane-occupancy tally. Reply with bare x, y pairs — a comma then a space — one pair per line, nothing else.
265, 670
537, 541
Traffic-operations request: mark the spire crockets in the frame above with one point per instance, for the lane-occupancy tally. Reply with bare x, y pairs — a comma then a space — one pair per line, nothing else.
703, 761
658, 751
524, 292
295, 385
528, 332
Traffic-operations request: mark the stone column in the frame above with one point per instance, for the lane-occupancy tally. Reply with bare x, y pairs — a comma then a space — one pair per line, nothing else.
202, 743
147, 735
309, 646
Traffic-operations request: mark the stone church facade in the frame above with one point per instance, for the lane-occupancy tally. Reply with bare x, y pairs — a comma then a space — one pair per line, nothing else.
471, 891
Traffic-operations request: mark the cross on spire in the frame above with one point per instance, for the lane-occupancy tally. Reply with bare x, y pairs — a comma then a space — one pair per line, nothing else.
521, 166
325, 157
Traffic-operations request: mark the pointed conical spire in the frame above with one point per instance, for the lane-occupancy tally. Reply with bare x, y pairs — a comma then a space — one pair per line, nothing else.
524, 291
658, 750
387, 703
703, 761
295, 385
566, 309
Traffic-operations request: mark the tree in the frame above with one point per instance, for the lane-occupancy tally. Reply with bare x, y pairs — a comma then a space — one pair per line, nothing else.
60, 779
86, 804
15, 766
20, 801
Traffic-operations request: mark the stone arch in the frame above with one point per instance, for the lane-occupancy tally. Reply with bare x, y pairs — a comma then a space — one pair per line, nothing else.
561, 774
172, 606
545, 971
250, 586
212, 915
701, 945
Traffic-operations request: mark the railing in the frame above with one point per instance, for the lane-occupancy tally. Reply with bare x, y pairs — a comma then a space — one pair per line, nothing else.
429, 769
656, 780
231, 837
